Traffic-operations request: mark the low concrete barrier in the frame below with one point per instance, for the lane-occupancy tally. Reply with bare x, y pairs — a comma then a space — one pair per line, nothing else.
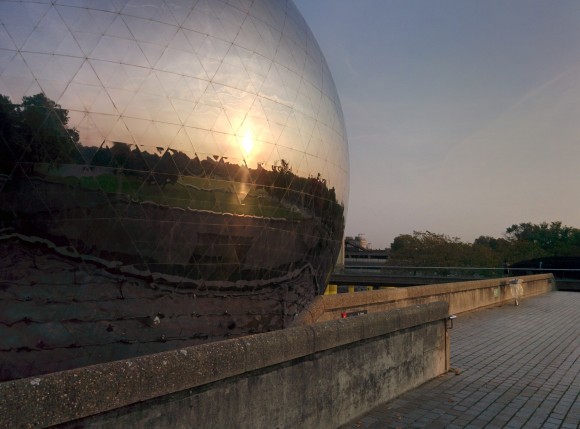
312, 376
572, 285
461, 296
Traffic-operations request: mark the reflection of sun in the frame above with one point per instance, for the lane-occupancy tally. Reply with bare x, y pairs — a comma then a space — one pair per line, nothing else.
247, 143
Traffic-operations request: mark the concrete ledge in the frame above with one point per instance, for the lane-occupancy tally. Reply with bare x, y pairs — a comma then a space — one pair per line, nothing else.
461, 297
63, 396
272, 348
67, 396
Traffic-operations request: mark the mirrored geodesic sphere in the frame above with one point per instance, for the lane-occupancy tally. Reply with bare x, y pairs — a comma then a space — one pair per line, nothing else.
156, 154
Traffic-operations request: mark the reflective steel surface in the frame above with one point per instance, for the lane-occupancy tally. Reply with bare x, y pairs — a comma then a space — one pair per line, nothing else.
199, 144
177, 137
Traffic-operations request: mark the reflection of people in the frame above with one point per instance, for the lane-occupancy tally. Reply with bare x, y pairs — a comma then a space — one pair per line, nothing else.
506, 268
517, 289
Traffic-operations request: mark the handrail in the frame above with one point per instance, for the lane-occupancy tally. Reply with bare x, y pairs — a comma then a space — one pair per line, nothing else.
399, 267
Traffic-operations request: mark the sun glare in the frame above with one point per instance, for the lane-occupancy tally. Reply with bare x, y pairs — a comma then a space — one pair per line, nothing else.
247, 143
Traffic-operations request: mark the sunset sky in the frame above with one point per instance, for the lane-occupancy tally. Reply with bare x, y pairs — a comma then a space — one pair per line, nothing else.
463, 116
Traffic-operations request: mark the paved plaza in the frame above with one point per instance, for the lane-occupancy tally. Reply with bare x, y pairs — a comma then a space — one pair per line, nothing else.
512, 367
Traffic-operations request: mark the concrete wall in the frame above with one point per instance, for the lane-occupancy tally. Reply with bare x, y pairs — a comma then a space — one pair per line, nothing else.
568, 284
461, 296
315, 376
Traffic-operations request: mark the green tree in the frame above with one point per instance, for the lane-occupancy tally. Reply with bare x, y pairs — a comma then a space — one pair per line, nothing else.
282, 178
44, 130
429, 249
553, 239
120, 153
10, 139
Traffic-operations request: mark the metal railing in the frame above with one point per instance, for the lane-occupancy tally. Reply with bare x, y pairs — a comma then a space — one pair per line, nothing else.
381, 268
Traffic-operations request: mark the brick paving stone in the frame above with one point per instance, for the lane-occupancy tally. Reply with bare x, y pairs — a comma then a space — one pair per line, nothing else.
554, 421
520, 369
498, 421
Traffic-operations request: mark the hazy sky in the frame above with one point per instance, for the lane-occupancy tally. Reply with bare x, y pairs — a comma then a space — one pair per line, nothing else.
463, 116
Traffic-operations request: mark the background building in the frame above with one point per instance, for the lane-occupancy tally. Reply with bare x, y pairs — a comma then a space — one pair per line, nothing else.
358, 253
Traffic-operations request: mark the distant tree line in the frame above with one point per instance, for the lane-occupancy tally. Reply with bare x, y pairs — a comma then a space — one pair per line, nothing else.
520, 242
